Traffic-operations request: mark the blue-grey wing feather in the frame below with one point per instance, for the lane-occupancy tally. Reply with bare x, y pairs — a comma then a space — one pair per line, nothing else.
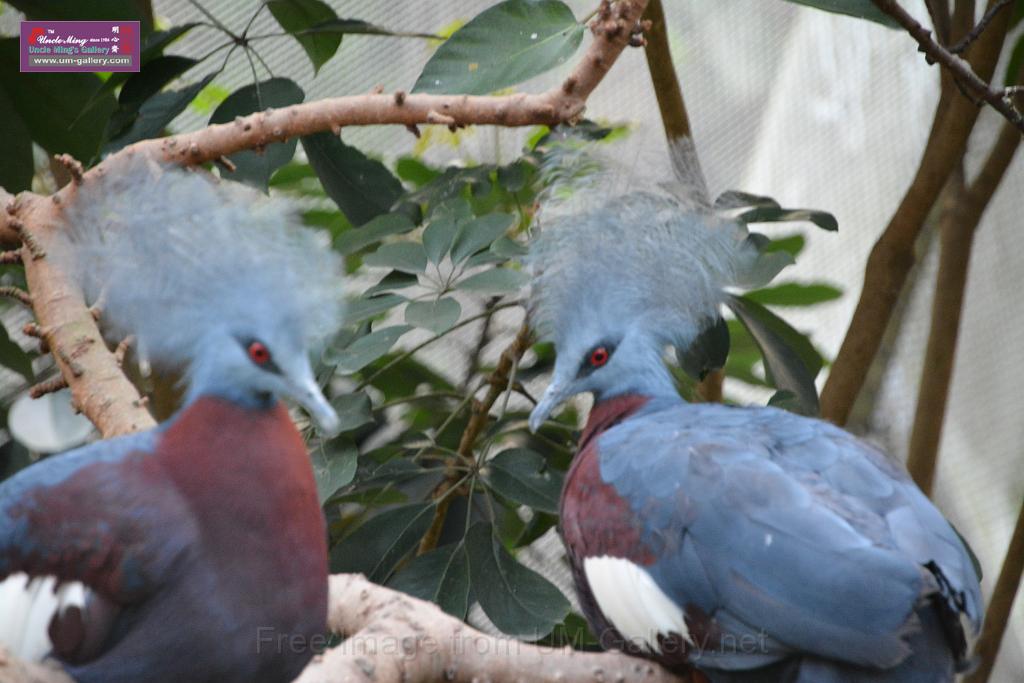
777, 524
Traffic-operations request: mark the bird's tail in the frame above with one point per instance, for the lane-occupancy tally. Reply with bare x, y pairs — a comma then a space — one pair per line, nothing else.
26, 608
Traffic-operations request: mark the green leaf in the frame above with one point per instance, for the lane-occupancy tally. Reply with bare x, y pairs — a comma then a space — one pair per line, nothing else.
17, 165
495, 281
437, 316
736, 199
333, 470
767, 214
154, 115
367, 307
49, 106
354, 410
441, 576
343, 27
795, 294
523, 476
709, 351
151, 79
767, 265
514, 176
296, 16
379, 544
438, 238
507, 248
366, 349
504, 45
361, 187
415, 171
14, 358
862, 9
392, 281
519, 601
792, 244
790, 360
478, 234
786, 400
407, 257
292, 173
255, 168
380, 227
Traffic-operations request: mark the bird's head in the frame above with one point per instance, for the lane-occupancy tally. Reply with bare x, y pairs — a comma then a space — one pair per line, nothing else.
619, 276
214, 279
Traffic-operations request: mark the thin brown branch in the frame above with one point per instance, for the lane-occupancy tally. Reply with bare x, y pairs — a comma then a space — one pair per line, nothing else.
958, 223
998, 614
663, 74
975, 32
959, 68
893, 254
497, 384
674, 117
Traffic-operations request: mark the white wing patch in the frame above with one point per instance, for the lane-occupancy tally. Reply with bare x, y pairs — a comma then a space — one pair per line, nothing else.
27, 606
633, 603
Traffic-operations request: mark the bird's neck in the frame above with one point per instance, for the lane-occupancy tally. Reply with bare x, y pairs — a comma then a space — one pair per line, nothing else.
608, 413
208, 379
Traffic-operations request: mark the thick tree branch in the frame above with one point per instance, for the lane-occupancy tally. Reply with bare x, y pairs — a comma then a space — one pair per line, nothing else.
395, 637
998, 614
391, 636
893, 255
957, 226
563, 104
959, 68
98, 387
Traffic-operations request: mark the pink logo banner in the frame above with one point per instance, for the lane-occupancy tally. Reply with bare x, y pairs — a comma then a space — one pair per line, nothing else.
80, 46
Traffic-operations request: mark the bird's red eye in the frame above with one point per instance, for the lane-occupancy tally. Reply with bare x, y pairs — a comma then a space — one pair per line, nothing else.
258, 353
598, 357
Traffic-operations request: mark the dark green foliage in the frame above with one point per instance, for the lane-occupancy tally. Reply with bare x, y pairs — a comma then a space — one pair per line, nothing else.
519, 601
502, 46
361, 187
863, 9
46, 108
296, 16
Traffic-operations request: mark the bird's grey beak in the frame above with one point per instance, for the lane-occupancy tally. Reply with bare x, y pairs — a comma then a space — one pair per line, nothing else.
556, 393
307, 392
